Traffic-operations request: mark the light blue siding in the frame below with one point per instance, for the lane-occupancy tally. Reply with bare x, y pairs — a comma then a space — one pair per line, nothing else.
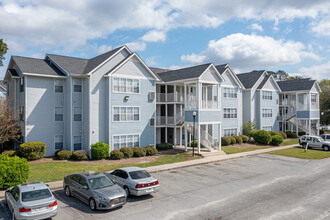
188, 116
303, 114
315, 114
270, 104
209, 116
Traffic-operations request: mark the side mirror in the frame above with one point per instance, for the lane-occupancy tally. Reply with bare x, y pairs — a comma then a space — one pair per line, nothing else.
85, 187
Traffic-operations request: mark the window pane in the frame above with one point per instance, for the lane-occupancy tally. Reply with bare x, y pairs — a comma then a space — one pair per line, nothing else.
116, 113
136, 113
122, 85
58, 114
77, 114
129, 113
136, 86
123, 114
116, 84
129, 85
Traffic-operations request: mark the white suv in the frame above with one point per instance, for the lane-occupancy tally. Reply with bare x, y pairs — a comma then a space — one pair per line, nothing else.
314, 142
326, 137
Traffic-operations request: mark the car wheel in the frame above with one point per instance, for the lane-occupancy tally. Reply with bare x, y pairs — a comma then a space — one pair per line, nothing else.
126, 190
92, 204
67, 191
326, 148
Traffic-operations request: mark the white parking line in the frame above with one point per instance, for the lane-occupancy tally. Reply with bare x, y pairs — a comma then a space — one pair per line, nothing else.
5, 208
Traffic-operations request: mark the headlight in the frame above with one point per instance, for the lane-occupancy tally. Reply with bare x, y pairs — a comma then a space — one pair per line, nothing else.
101, 197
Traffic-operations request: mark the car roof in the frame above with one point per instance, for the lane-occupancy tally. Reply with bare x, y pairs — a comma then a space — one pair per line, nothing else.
89, 174
130, 169
32, 186
311, 136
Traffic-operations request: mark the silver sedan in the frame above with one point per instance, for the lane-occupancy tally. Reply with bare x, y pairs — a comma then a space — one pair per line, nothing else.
95, 189
31, 201
135, 181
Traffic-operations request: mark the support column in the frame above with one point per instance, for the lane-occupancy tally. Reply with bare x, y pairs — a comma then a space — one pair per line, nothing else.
174, 136
185, 137
199, 138
180, 138
219, 127
310, 127
297, 127
166, 134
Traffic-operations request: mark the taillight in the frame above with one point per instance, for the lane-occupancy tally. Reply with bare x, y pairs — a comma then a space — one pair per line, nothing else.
53, 204
299, 141
147, 184
22, 209
155, 183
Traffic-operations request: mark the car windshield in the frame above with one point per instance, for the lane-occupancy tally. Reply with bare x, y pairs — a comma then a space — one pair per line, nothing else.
139, 174
321, 139
100, 182
36, 195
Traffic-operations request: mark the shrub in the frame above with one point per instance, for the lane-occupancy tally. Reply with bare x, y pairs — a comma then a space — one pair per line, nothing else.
63, 154
245, 138
13, 171
232, 140
195, 142
262, 136
127, 152
291, 134
283, 134
33, 150
116, 155
272, 133
225, 141
138, 152
164, 146
99, 151
301, 133
239, 140
276, 140
248, 127
80, 155
10, 153
150, 150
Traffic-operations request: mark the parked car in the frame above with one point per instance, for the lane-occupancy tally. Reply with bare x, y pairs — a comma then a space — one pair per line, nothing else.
94, 189
31, 201
314, 142
134, 180
326, 137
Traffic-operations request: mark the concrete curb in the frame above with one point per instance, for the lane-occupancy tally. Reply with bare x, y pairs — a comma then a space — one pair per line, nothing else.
210, 159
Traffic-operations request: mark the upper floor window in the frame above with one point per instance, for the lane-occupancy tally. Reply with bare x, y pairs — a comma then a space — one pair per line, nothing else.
230, 93
58, 142
267, 113
268, 95
21, 85
230, 113
313, 98
124, 114
59, 85
123, 85
230, 132
76, 114
77, 142
58, 113
77, 85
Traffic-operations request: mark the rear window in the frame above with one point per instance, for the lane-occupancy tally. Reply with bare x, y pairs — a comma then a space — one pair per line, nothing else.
139, 174
36, 195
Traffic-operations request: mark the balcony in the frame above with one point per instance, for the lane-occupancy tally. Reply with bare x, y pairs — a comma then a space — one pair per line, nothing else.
209, 104
170, 97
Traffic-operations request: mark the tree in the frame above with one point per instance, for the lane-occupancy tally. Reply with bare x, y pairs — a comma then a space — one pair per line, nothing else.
3, 51
294, 77
325, 101
279, 75
9, 127
248, 127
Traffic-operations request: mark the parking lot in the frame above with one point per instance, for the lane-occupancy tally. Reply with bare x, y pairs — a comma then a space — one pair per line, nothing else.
255, 187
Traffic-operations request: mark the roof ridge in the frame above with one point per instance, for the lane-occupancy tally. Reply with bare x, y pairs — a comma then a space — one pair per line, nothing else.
27, 57
47, 54
188, 67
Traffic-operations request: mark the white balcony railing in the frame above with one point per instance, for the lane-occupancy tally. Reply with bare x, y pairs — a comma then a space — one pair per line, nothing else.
170, 120
209, 104
170, 97
161, 120
160, 97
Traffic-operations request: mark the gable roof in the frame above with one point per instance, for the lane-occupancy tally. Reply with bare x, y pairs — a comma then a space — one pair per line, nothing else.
268, 77
180, 74
74, 65
221, 68
296, 85
36, 66
250, 79
2, 85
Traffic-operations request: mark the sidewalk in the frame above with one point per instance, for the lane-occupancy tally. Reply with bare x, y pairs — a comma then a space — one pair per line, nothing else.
209, 159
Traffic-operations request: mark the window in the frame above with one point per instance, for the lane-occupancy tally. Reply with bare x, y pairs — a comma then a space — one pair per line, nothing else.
21, 85
58, 142
267, 128
21, 113
58, 113
152, 122
124, 85
126, 141
313, 98
58, 85
77, 142
267, 113
77, 85
230, 113
230, 132
126, 114
267, 95
230, 93
77, 114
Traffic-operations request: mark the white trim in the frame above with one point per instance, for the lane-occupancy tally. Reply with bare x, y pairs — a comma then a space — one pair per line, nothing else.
55, 87
216, 72
266, 113
236, 79
55, 142
42, 75
223, 112
224, 131
58, 66
121, 106
115, 92
54, 119
112, 144
81, 115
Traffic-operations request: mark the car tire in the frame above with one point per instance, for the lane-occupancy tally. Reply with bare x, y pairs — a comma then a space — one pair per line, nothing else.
67, 191
127, 190
92, 204
326, 148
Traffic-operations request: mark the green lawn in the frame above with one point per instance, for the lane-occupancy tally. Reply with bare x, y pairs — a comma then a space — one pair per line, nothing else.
298, 152
234, 150
53, 171
291, 141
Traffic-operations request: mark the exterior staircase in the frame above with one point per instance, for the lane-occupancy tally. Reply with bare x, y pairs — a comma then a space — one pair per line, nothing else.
206, 139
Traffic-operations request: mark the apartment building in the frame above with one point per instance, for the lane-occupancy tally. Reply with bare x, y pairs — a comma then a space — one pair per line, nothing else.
3, 90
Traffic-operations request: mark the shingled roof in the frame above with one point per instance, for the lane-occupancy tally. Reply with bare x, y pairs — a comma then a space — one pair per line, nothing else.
74, 65
263, 82
296, 85
221, 68
250, 79
36, 66
180, 74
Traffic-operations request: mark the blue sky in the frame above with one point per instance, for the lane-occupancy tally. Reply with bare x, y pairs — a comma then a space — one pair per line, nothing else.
248, 34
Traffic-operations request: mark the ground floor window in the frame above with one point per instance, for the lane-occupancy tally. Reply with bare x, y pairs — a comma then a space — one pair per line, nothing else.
267, 113
77, 142
267, 128
58, 142
230, 132
129, 140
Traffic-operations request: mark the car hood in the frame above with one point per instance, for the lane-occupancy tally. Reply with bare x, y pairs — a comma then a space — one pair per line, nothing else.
111, 191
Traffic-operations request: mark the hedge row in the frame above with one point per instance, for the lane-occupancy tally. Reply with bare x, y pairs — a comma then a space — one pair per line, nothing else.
293, 134
239, 139
270, 137
126, 152
164, 146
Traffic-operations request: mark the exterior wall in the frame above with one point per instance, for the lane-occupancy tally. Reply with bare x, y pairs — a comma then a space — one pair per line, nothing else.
208, 116
210, 76
246, 106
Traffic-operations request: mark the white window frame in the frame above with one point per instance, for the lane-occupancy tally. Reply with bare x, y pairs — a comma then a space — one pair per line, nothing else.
313, 100
62, 82
267, 95
128, 89
230, 113
58, 114
267, 113
230, 93
267, 128
77, 107
75, 80
77, 143
124, 118
231, 132
59, 142
121, 137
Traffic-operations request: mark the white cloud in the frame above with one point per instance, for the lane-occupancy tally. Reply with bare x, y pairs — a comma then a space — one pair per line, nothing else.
318, 72
256, 27
252, 51
323, 27
104, 48
151, 61
154, 36
193, 58
136, 46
